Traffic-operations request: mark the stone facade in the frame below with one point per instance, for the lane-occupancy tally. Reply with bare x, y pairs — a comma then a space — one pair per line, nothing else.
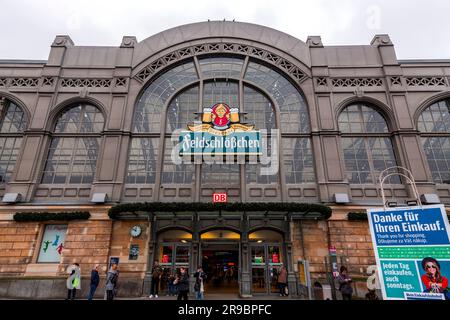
113, 79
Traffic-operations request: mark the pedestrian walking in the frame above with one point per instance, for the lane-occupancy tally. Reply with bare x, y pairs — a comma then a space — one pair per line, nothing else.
111, 282
156, 276
282, 281
73, 282
182, 283
170, 285
199, 287
95, 280
345, 286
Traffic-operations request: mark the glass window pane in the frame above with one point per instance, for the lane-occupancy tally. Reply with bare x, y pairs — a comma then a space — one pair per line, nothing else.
182, 109
147, 115
298, 160
221, 67
294, 112
80, 119
13, 119
437, 151
142, 160
71, 160
182, 254
359, 118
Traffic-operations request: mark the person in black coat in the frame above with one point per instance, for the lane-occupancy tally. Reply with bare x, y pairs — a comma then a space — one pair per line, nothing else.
182, 283
95, 280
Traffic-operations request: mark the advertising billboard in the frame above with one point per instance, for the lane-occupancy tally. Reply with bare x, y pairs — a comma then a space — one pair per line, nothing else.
412, 250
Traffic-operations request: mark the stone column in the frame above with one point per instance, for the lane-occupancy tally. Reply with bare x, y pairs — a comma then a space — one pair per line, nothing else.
246, 281
195, 251
152, 246
291, 278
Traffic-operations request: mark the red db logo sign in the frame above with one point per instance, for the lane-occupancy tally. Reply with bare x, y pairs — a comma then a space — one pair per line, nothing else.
219, 197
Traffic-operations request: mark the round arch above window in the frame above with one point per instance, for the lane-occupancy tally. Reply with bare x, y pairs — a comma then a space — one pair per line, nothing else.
13, 118
435, 118
216, 70
80, 118
366, 144
266, 235
13, 122
73, 151
434, 125
362, 118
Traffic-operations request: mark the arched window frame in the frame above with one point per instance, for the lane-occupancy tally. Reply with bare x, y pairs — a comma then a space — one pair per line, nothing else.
10, 137
436, 140
367, 137
65, 142
301, 136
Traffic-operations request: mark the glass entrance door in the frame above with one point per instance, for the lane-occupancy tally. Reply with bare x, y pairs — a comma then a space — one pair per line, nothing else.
220, 262
266, 261
172, 256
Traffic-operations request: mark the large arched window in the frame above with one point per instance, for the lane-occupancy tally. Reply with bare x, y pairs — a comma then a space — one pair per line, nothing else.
434, 125
366, 144
13, 121
265, 98
73, 152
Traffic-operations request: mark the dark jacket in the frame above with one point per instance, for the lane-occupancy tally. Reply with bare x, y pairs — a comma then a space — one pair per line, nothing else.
183, 283
156, 272
95, 278
345, 287
197, 277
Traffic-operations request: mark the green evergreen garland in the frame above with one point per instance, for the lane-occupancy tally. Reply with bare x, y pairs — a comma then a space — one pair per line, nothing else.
114, 212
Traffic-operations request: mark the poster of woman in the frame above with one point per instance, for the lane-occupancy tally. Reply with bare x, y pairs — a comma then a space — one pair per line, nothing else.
433, 280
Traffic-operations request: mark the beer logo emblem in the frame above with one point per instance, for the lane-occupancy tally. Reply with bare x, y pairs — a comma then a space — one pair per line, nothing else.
220, 120
220, 116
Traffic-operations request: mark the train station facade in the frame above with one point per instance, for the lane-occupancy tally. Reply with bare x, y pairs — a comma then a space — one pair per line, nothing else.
93, 128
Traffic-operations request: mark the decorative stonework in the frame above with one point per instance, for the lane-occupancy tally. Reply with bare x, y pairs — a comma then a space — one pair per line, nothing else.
24, 82
396, 81
251, 51
356, 82
128, 42
48, 81
3, 82
321, 81
425, 81
120, 82
90, 83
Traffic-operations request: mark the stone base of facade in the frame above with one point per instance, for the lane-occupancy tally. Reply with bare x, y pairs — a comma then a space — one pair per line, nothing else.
97, 240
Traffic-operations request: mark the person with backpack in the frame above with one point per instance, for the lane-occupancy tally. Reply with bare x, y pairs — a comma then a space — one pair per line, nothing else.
73, 282
199, 287
111, 282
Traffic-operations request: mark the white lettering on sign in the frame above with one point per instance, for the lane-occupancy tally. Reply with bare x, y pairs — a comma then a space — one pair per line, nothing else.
220, 197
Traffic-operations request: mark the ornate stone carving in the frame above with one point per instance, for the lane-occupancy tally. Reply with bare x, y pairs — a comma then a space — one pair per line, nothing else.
356, 82
62, 41
128, 42
258, 53
425, 81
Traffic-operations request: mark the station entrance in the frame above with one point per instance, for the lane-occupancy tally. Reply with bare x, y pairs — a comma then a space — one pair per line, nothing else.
221, 264
232, 265
220, 261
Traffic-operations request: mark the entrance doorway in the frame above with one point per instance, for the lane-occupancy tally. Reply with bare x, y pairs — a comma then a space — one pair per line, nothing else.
266, 261
221, 264
220, 261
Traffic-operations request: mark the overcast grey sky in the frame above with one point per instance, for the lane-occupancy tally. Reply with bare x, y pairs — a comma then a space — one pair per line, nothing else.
419, 29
